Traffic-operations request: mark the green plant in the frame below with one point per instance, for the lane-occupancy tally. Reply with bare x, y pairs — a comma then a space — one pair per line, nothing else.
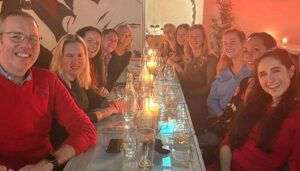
224, 21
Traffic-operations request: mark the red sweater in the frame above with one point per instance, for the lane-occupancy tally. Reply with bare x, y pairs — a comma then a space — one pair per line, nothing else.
25, 119
285, 147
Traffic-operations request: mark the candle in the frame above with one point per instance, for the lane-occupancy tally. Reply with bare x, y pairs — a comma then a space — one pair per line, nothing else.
284, 42
154, 108
151, 79
150, 53
151, 65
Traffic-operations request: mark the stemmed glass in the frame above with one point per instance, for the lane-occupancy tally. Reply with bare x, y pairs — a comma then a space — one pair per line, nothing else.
159, 69
169, 73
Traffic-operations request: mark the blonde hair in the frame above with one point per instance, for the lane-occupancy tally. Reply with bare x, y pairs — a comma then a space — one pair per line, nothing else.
56, 66
206, 50
119, 30
225, 61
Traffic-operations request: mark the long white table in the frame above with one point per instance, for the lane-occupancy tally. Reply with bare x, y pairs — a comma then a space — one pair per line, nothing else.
96, 157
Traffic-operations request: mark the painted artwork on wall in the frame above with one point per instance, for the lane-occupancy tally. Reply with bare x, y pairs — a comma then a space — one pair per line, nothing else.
58, 17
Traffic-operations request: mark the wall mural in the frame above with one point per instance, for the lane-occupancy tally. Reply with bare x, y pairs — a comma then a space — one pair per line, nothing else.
58, 17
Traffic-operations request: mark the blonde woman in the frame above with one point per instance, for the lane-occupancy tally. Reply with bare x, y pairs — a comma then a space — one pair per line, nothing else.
197, 74
231, 70
120, 56
167, 49
70, 63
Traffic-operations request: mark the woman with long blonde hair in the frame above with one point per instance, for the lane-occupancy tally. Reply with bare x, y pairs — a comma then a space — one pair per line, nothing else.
167, 48
197, 74
71, 64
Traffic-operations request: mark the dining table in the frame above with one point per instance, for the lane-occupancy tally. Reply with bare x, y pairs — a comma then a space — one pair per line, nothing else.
177, 158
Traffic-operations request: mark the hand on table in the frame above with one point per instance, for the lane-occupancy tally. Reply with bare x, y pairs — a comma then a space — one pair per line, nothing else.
103, 92
42, 165
115, 106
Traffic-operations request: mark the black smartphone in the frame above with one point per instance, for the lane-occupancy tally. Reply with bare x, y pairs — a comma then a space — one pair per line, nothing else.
114, 146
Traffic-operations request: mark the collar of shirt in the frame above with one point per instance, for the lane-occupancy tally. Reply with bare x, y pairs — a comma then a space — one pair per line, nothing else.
11, 78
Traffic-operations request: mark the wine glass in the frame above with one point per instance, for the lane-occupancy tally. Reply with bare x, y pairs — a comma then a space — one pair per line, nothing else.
159, 64
169, 73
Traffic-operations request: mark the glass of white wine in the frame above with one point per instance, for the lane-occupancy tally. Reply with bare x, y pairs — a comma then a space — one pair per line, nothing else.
181, 133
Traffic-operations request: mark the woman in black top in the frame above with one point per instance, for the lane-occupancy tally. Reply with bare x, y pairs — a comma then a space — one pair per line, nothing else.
70, 63
120, 56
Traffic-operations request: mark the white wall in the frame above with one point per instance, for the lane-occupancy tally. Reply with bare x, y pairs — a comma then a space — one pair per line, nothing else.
160, 12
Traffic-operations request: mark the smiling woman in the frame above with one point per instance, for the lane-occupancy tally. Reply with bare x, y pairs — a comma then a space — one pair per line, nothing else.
231, 69
71, 64
266, 133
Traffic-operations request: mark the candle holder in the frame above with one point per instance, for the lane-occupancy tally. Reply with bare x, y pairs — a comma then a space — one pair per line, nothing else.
151, 65
148, 116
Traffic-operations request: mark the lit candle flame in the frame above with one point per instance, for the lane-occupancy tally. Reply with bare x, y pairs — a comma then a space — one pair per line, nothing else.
284, 41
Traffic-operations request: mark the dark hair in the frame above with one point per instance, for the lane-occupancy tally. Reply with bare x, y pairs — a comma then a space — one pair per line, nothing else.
266, 38
107, 31
179, 49
97, 61
81, 32
257, 105
4, 16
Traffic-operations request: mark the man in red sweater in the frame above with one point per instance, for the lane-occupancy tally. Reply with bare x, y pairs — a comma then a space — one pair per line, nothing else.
30, 98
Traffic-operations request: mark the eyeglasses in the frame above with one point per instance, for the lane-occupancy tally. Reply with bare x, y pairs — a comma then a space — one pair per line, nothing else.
19, 37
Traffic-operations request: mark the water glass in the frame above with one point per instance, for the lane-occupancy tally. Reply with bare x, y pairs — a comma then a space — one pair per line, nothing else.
170, 101
119, 91
130, 144
181, 133
146, 143
181, 153
169, 73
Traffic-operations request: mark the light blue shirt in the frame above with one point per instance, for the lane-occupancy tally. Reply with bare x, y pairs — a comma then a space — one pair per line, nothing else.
11, 78
223, 87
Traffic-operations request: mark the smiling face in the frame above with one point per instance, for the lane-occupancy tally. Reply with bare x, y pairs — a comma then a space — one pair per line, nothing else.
196, 39
125, 36
254, 50
233, 47
109, 42
274, 77
92, 40
181, 36
17, 58
73, 60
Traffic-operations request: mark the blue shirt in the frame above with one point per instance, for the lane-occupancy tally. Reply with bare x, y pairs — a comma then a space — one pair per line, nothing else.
223, 87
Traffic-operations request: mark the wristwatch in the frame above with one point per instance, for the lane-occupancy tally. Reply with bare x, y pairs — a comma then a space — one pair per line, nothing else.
52, 159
